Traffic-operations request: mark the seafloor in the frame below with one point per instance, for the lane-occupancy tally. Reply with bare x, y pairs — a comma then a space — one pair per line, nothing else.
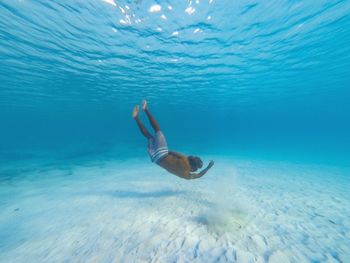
133, 211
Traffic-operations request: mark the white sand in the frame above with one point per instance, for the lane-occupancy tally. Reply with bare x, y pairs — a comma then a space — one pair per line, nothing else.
133, 211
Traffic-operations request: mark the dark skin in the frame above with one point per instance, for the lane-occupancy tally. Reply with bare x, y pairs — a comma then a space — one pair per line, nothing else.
175, 163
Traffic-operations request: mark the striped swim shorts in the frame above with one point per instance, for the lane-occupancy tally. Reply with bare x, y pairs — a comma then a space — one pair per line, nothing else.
157, 147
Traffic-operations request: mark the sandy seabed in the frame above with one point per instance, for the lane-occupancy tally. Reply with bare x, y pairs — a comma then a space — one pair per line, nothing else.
133, 211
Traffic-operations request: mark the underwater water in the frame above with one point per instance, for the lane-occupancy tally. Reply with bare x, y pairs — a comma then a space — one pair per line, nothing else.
260, 87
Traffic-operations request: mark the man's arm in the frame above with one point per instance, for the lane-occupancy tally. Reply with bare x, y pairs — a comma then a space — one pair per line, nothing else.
201, 173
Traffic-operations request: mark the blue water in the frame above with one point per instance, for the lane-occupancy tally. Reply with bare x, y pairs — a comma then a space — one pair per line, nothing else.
251, 76
247, 80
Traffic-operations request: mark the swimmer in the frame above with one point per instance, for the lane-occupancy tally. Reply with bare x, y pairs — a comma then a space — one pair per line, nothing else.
175, 163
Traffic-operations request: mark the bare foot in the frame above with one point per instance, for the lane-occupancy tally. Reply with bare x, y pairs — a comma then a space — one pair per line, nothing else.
144, 105
135, 111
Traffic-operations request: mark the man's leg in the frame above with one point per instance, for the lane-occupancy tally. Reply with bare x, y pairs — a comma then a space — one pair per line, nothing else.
151, 119
144, 131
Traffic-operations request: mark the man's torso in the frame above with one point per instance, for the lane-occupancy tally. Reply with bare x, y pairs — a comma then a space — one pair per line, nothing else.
176, 165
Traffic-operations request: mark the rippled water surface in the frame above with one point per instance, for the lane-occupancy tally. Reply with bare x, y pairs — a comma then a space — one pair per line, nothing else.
179, 52
249, 72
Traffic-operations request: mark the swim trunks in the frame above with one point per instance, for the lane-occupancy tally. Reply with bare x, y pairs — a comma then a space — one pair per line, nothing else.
157, 147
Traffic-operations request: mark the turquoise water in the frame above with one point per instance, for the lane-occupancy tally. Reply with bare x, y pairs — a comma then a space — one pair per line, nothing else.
243, 75
261, 87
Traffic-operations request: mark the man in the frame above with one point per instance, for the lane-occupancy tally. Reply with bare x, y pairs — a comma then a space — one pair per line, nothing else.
173, 162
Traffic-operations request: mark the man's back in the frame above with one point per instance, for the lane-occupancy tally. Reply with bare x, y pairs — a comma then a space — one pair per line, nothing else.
177, 164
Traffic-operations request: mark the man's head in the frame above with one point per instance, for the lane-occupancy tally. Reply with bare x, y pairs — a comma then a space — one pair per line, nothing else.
195, 163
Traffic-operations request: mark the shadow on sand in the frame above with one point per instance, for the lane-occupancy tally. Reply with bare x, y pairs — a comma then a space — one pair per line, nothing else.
153, 194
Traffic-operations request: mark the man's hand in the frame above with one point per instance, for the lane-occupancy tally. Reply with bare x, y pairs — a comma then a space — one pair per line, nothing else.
200, 174
210, 165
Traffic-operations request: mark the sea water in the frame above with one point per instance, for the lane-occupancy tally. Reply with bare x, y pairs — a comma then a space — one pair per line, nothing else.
260, 87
